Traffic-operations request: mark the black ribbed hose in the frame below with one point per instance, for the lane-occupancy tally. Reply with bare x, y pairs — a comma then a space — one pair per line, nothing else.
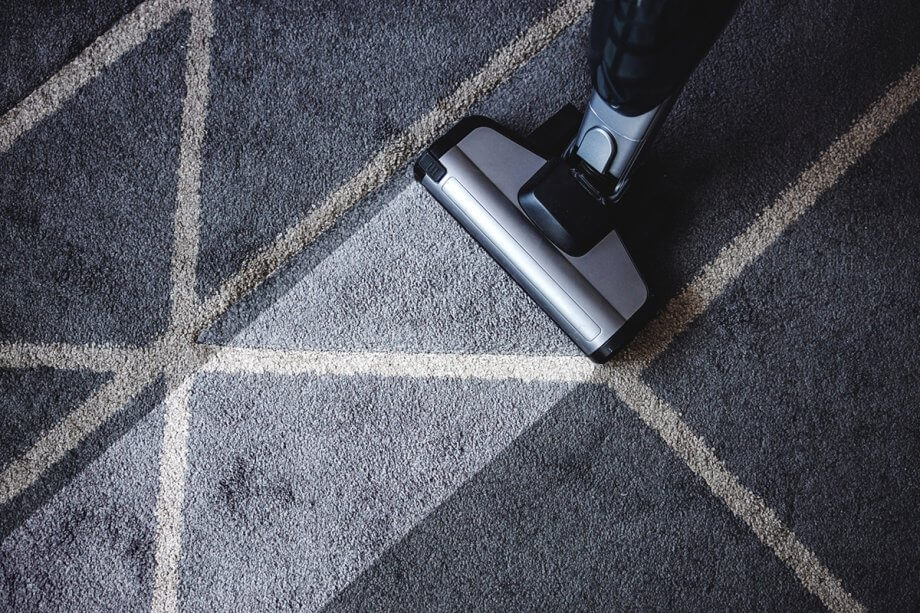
643, 51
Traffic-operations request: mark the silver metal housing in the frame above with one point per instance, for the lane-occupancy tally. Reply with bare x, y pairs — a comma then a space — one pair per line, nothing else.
590, 297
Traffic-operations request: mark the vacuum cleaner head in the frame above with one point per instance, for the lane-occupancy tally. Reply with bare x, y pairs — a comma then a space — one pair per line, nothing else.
546, 213
530, 212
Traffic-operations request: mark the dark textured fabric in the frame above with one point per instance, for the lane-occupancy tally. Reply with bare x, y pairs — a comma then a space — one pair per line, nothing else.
87, 203
39, 37
375, 491
779, 377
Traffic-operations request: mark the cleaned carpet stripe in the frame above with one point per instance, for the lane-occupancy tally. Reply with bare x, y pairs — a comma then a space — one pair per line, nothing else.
394, 156
129, 32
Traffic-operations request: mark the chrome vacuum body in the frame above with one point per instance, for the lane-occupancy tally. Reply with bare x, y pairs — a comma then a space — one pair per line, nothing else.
546, 212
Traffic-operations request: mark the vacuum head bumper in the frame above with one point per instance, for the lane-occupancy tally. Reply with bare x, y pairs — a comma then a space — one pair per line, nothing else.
477, 171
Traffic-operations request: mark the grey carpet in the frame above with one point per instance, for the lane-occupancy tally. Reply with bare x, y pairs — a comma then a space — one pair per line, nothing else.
372, 492
88, 200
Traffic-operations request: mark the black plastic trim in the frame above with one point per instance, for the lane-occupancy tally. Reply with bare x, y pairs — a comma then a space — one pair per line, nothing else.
625, 334
431, 166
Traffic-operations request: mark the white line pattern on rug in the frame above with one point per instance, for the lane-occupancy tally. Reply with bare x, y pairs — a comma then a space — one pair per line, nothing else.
96, 358
183, 296
396, 364
170, 496
184, 303
177, 356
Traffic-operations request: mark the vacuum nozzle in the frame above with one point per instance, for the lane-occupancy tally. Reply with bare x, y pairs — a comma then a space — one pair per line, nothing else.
532, 213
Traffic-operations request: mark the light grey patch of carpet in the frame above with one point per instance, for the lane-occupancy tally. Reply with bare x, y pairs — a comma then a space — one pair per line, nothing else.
411, 280
243, 312
90, 546
298, 483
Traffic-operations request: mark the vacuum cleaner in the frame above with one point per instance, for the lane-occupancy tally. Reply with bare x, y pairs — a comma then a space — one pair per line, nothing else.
544, 207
